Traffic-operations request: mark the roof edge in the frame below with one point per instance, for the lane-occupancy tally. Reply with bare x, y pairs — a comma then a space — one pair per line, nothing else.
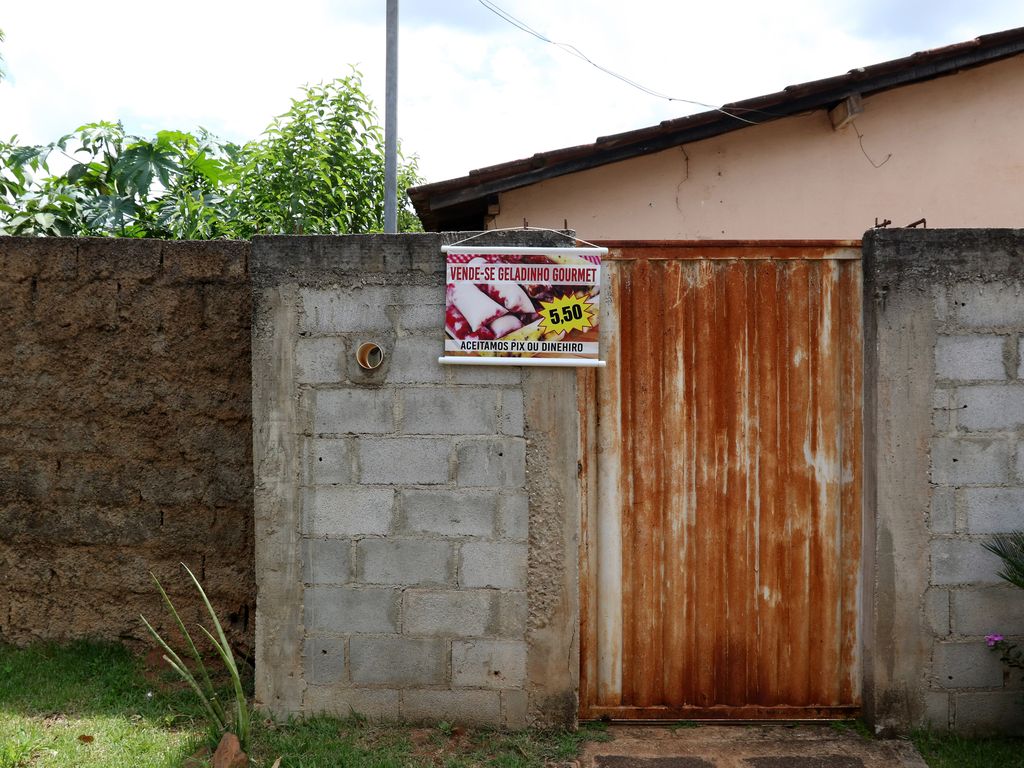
465, 198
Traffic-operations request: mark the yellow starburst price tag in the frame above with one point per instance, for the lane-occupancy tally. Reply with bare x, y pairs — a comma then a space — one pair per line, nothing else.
566, 313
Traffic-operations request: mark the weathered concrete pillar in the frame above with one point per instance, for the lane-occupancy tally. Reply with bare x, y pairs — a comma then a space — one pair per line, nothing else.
944, 319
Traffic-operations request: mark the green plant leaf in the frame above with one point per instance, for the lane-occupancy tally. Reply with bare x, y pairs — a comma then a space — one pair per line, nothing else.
175, 662
317, 168
1009, 547
224, 648
138, 165
209, 691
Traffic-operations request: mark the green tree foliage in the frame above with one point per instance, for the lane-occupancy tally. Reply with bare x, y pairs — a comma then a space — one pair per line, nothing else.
317, 169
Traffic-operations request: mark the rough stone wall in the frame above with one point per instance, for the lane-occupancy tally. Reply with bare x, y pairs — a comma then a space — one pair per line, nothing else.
945, 342
125, 434
401, 493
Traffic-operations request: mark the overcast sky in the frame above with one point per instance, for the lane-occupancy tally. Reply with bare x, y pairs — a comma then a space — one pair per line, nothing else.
473, 90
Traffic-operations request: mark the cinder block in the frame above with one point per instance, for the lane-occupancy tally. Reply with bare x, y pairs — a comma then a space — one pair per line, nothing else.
405, 562
969, 358
1020, 358
943, 410
341, 701
492, 462
988, 610
994, 510
970, 461
463, 707
943, 398
404, 460
966, 665
450, 513
420, 309
323, 660
328, 461
414, 361
320, 360
353, 411
493, 564
342, 311
515, 516
488, 663
981, 305
325, 561
960, 561
398, 661
1020, 463
515, 709
513, 420
351, 609
943, 510
941, 303
936, 710
990, 406
462, 613
936, 610
486, 375
447, 411
348, 511
988, 713
513, 612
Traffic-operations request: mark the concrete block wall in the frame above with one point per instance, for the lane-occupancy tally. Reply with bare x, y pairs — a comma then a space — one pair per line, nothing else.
947, 310
401, 493
977, 489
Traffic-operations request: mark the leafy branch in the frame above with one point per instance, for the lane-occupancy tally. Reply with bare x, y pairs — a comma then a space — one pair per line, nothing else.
317, 169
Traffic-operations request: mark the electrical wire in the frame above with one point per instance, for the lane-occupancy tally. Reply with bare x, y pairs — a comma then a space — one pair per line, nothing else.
860, 139
572, 50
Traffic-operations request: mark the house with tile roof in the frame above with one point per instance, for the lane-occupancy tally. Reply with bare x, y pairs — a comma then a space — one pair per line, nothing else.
933, 138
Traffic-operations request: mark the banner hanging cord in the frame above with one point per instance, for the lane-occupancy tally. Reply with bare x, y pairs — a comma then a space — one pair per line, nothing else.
526, 229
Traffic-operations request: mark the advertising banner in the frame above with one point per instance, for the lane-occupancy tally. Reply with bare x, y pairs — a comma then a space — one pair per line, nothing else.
522, 306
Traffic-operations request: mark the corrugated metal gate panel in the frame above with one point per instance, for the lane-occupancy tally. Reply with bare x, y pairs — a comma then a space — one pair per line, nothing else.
722, 546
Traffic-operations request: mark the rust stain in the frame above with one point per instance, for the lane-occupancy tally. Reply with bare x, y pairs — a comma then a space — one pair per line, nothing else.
728, 431
586, 395
738, 250
755, 713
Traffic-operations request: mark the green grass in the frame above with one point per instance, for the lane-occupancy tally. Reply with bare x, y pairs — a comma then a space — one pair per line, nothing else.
949, 751
51, 696
358, 743
855, 726
89, 705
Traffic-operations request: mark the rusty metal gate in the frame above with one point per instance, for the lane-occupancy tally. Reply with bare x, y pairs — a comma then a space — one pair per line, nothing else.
720, 558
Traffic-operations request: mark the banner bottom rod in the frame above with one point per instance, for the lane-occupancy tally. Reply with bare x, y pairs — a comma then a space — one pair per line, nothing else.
549, 362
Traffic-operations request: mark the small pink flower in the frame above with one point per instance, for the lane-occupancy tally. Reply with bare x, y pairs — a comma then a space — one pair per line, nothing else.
993, 639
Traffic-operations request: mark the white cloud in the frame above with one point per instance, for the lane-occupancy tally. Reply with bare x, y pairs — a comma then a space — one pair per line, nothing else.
473, 90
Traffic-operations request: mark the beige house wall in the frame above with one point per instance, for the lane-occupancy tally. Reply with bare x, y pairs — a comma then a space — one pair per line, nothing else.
955, 157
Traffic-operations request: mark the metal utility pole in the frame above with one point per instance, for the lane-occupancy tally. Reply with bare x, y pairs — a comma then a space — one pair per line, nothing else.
391, 122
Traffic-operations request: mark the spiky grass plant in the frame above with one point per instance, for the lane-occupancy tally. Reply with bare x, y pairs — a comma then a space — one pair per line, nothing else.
203, 686
1009, 547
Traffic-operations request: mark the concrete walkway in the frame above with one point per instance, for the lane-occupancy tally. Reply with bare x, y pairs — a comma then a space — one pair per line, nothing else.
746, 746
